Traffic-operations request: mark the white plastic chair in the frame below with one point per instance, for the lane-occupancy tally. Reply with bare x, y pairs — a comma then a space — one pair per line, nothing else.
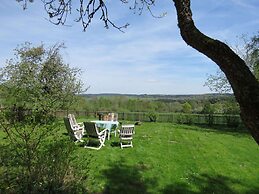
74, 134
126, 135
74, 124
92, 133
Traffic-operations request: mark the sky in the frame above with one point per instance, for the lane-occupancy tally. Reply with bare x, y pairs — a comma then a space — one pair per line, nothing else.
148, 58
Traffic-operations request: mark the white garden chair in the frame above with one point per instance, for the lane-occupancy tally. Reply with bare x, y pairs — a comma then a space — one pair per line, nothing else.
74, 124
74, 134
93, 134
126, 135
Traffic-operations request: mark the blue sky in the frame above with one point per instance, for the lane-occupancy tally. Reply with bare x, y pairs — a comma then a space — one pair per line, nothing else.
149, 58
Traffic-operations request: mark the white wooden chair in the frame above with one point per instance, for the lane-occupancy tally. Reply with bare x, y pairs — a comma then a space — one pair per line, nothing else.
126, 135
112, 116
92, 133
74, 124
116, 116
75, 135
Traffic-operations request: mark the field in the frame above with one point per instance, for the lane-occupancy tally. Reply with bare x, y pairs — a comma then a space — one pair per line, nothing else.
171, 158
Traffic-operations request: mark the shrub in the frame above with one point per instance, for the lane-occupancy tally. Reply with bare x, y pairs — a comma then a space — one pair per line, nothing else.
46, 168
188, 119
179, 119
152, 116
232, 120
209, 118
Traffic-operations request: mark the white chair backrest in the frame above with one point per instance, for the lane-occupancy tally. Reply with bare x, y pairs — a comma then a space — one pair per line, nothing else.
127, 129
72, 119
112, 116
70, 129
115, 117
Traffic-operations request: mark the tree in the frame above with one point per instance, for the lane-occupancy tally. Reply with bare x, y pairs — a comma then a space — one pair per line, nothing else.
244, 84
208, 108
34, 85
39, 80
218, 82
250, 54
187, 107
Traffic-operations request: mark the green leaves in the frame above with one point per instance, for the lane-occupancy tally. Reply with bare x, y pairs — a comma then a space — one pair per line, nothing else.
38, 79
249, 53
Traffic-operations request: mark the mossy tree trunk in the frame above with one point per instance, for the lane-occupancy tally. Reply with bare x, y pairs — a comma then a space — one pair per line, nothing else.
243, 82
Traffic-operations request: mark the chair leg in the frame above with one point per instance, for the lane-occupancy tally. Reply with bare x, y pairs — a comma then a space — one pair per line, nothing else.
79, 140
94, 148
126, 144
109, 135
102, 140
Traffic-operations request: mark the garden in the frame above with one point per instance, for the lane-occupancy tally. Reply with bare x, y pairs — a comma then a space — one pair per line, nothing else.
165, 158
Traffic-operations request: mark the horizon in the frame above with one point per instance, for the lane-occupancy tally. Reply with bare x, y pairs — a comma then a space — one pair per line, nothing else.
156, 94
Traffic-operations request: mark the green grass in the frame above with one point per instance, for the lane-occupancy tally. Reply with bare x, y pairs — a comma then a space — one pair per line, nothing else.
170, 158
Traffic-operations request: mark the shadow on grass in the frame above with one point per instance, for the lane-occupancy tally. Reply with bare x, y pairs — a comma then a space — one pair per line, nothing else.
205, 183
115, 144
127, 179
65, 133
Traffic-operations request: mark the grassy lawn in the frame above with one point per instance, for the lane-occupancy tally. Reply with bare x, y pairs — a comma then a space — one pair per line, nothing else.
170, 158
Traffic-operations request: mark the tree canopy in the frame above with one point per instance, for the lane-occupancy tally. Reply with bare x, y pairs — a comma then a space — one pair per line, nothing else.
38, 79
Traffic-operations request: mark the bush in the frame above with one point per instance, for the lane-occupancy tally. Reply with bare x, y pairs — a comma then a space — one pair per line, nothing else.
33, 163
232, 120
209, 118
152, 116
179, 118
188, 119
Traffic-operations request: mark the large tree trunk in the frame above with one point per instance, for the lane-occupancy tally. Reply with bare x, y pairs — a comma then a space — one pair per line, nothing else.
244, 84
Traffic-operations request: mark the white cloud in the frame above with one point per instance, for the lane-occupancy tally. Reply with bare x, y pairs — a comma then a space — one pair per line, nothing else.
150, 57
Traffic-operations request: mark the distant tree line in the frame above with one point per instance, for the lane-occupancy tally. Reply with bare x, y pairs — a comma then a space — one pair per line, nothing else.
216, 105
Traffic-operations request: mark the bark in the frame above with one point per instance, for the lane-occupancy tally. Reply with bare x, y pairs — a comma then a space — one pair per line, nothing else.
243, 82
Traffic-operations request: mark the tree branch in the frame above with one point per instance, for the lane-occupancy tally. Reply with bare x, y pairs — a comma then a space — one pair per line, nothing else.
58, 11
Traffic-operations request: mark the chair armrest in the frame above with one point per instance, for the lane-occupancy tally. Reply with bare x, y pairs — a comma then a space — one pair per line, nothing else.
103, 131
77, 127
78, 131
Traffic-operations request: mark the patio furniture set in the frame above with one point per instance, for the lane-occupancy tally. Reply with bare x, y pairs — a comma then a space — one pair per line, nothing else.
99, 130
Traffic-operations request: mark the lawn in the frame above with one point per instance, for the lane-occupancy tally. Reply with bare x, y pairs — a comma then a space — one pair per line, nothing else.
170, 158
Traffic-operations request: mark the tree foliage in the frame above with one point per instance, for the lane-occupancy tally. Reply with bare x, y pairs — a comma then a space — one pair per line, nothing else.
39, 80
33, 85
187, 107
124, 103
250, 54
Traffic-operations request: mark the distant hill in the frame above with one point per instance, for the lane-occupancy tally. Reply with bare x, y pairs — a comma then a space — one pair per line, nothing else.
163, 97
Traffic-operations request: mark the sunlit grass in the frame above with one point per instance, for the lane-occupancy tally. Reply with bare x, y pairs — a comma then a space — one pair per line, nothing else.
170, 158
